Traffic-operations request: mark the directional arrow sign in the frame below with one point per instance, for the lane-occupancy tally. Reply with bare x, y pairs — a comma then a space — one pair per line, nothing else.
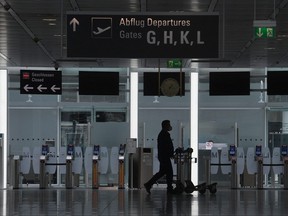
41, 88
74, 22
27, 88
54, 88
40, 82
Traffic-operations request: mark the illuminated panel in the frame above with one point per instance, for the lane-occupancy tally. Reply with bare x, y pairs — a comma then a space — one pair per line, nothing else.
3, 125
134, 105
194, 124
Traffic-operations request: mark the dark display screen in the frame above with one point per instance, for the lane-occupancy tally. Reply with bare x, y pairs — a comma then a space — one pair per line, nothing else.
122, 150
45, 149
232, 150
277, 82
70, 150
284, 150
96, 149
258, 150
229, 83
98, 83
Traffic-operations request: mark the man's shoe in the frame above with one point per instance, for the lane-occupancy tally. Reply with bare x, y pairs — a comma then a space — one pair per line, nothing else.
147, 187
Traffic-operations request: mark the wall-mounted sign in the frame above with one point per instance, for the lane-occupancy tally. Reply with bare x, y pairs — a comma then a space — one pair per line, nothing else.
142, 35
40, 82
174, 63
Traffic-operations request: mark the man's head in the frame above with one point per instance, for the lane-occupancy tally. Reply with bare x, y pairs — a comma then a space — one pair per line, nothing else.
166, 125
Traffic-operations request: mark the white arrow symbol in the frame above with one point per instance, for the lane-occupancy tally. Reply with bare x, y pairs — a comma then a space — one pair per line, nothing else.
259, 33
74, 22
54, 88
40, 88
27, 88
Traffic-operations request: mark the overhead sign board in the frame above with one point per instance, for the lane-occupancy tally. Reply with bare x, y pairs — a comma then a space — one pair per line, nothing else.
264, 32
142, 35
40, 82
264, 28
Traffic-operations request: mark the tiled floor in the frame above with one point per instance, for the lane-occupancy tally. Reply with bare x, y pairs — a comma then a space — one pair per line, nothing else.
111, 201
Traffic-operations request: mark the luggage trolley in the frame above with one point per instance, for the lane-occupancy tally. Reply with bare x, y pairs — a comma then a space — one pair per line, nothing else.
183, 159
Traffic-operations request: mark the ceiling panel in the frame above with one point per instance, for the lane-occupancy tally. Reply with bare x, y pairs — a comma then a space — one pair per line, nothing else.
33, 32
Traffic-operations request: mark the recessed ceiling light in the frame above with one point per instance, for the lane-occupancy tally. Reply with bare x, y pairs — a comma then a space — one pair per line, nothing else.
283, 36
49, 19
59, 35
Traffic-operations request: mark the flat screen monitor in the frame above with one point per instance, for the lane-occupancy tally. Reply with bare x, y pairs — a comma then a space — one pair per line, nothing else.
122, 149
152, 86
232, 150
45, 149
98, 83
96, 150
258, 150
70, 150
284, 150
229, 83
277, 83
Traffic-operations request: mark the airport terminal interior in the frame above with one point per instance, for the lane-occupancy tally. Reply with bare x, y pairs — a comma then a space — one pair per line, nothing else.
85, 85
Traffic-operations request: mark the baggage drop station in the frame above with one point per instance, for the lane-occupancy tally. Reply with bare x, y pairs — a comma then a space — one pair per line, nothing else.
70, 166
131, 166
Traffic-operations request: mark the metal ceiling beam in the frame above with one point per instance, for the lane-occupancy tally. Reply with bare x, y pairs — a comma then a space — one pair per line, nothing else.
9, 9
277, 10
143, 5
212, 5
74, 5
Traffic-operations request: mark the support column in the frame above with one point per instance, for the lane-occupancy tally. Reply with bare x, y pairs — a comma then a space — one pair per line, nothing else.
3, 127
194, 123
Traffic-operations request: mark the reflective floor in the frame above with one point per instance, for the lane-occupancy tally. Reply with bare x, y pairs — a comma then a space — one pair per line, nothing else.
111, 201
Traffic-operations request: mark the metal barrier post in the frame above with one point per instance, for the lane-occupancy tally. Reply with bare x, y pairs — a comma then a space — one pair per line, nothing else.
260, 173
121, 174
233, 174
43, 174
95, 180
69, 176
16, 171
285, 177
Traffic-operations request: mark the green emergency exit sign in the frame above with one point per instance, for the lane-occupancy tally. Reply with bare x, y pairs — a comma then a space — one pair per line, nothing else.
264, 32
174, 63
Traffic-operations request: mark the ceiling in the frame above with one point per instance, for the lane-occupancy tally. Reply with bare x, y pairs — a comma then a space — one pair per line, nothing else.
33, 32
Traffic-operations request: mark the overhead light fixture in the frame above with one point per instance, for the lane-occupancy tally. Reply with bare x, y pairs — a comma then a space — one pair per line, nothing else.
49, 19
282, 36
59, 35
4, 56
